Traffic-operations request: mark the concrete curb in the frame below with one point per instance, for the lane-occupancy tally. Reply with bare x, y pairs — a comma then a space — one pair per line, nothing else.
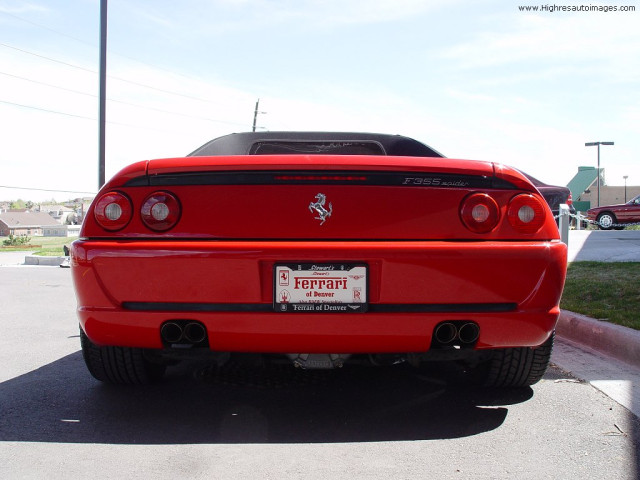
47, 261
613, 340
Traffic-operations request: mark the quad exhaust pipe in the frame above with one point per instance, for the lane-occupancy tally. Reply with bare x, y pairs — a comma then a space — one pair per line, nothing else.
171, 332
468, 333
183, 332
194, 332
456, 333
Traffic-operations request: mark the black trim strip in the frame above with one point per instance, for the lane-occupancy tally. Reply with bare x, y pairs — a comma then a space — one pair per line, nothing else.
442, 307
314, 177
197, 307
373, 307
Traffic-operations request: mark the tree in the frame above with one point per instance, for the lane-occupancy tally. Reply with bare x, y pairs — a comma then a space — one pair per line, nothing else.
18, 205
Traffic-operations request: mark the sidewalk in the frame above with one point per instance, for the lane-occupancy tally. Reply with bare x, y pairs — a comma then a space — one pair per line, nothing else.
25, 258
605, 355
12, 259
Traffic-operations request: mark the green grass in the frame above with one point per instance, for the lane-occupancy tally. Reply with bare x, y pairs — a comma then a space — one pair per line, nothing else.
606, 291
45, 246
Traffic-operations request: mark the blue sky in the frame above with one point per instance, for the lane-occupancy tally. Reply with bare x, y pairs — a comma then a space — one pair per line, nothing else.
476, 79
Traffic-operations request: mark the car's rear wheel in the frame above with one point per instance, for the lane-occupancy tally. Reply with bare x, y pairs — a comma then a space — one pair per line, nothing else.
119, 365
515, 367
606, 220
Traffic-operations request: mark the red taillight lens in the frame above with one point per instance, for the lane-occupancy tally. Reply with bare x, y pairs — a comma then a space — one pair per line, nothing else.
480, 213
160, 211
569, 199
526, 213
113, 211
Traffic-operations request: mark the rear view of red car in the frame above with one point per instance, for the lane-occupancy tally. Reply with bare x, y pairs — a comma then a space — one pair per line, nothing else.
321, 249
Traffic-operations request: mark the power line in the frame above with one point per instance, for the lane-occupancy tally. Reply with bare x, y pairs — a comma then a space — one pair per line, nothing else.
45, 190
122, 102
38, 82
48, 28
93, 45
95, 72
82, 117
47, 110
44, 57
139, 84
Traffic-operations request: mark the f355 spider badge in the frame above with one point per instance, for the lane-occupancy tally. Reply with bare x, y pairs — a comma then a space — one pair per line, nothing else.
319, 208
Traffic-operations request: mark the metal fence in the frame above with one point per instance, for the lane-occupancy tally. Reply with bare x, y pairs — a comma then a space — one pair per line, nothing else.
564, 218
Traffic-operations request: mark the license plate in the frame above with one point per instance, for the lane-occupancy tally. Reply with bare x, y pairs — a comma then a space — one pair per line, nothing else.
320, 287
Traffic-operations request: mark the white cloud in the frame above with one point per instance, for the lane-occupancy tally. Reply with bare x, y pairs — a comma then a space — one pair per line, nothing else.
20, 7
468, 96
206, 18
592, 42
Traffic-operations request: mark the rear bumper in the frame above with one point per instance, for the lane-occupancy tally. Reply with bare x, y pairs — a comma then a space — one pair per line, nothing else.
127, 289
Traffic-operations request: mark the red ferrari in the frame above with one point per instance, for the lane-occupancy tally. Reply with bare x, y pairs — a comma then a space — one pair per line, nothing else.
320, 249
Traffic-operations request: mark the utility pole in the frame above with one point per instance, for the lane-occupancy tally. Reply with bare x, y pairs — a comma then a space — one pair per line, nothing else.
103, 92
255, 115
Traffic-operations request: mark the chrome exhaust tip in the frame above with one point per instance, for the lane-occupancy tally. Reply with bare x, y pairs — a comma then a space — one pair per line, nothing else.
171, 332
445, 333
195, 332
469, 333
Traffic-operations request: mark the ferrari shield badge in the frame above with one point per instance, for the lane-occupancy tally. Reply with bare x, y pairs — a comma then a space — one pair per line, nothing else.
318, 207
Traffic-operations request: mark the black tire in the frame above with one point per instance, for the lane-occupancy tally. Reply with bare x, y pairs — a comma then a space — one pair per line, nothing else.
119, 365
605, 220
516, 367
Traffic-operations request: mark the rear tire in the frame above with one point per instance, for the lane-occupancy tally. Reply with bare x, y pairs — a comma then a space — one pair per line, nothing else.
516, 367
606, 220
119, 365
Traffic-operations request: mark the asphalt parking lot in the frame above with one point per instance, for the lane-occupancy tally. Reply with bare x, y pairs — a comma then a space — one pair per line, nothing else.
604, 246
57, 422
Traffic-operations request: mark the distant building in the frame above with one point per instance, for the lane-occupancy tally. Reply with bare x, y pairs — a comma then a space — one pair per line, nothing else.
609, 195
25, 223
59, 212
61, 231
584, 190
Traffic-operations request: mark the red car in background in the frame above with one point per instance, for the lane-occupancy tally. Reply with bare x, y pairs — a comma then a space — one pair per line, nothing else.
615, 216
321, 249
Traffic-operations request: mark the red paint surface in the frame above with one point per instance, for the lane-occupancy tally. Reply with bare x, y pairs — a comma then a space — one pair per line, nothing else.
228, 238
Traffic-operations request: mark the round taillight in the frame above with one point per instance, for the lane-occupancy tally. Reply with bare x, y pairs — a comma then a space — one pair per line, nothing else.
526, 213
113, 211
480, 213
160, 211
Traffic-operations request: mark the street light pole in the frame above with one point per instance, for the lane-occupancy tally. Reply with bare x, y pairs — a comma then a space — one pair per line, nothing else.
103, 93
591, 144
625, 187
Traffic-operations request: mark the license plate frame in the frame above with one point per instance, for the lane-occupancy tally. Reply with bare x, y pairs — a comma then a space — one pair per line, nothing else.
305, 287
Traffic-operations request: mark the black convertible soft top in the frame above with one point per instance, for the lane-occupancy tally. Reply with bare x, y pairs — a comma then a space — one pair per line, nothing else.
333, 143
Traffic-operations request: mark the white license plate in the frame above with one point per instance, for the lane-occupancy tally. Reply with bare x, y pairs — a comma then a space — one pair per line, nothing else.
320, 287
